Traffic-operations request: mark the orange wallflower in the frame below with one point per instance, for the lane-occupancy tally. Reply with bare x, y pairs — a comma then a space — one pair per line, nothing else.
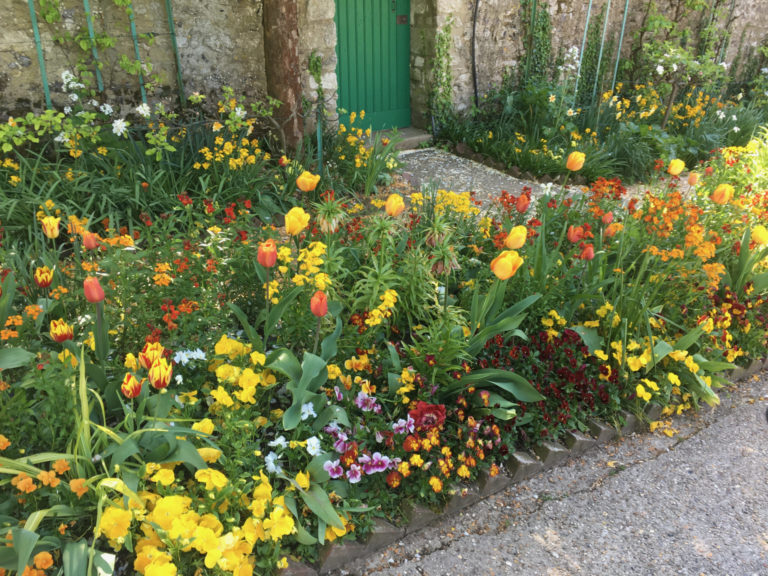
78, 486
61, 466
4, 442
48, 478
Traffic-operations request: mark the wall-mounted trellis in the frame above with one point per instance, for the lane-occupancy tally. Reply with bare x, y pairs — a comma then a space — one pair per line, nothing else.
95, 53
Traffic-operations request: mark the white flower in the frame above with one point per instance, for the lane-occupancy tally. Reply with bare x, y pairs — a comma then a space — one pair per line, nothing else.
720, 114
307, 410
119, 127
736, 128
67, 77
733, 117
179, 379
61, 138
197, 354
659, 69
94, 103
106, 109
143, 110
313, 446
271, 464
674, 67
239, 112
74, 97
279, 442
67, 109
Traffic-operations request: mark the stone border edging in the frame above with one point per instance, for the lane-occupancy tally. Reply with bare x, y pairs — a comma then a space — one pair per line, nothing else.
521, 466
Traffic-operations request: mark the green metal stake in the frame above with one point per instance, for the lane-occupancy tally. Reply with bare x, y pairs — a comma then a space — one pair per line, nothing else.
583, 46
40, 56
174, 45
92, 36
136, 51
320, 137
600, 54
621, 41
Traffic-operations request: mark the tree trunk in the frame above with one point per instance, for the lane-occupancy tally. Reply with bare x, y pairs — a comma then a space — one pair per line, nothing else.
282, 67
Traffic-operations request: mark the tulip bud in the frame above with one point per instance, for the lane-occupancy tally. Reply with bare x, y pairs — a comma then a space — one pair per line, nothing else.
160, 374
722, 194
90, 241
693, 178
506, 264
283, 161
587, 252
296, 220
516, 238
675, 167
50, 226
523, 201
395, 205
307, 181
575, 233
61, 331
267, 253
94, 293
575, 161
760, 235
319, 304
151, 352
131, 386
43, 276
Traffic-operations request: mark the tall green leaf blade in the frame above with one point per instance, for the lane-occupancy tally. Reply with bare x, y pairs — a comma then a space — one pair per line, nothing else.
14, 358
317, 500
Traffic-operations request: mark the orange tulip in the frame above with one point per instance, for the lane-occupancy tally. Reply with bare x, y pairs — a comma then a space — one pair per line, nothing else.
94, 293
523, 201
722, 194
575, 233
131, 386
395, 205
296, 220
307, 181
267, 253
160, 374
90, 241
693, 178
675, 167
151, 352
506, 264
516, 238
61, 331
50, 226
319, 304
43, 276
575, 161
587, 252
607, 218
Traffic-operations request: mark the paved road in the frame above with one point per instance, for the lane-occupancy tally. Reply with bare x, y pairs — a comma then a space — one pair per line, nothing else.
695, 504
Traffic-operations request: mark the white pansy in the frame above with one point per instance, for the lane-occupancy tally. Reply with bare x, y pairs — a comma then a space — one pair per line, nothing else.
307, 410
119, 127
313, 446
143, 110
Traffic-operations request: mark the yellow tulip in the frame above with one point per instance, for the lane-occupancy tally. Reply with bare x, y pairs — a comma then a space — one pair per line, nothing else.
51, 226
506, 264
760, 235
722, 194
395, 205
296, 220
516, 238
575, 161
676, 166
307, 181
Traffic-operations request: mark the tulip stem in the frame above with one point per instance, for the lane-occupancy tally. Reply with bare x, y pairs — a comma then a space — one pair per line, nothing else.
317, 335
266, 319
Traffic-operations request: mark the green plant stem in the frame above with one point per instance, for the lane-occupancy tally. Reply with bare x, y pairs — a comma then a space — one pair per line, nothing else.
266, 319
317, 336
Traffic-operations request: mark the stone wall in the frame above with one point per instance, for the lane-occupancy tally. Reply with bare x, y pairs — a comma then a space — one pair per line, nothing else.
317, 33
220, 43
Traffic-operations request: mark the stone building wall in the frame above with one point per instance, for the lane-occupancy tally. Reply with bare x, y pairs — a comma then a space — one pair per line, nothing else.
220, 43
317, 34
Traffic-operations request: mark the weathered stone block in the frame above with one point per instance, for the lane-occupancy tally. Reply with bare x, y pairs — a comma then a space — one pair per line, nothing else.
601, 431
336, 555
523, 465
578, 443
492, 484
463, 498
630, 423
383, 534
652, 411
551, 453
419, 517
298, 569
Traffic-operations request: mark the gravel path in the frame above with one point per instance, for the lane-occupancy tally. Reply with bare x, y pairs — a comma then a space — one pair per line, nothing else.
694, 504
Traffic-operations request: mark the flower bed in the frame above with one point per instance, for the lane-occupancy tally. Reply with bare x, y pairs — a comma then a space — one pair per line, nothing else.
206, 391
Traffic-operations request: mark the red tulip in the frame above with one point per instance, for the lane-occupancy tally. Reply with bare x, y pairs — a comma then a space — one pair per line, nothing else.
575, 233
587, 252
607, 218
90, 241
319, 304
61, 331
160, 374
43, 276
523, 201
93, 291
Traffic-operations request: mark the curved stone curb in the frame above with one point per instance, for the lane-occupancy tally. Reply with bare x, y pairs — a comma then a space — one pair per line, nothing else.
520, 466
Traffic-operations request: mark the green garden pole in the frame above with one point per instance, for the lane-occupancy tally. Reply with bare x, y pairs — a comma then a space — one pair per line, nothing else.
40, 56
135, 39
174, 45
92, 36
600, 55
530, 45
621, 41
583, 46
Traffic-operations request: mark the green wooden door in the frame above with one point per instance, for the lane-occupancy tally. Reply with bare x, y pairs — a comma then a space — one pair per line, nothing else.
373, 68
